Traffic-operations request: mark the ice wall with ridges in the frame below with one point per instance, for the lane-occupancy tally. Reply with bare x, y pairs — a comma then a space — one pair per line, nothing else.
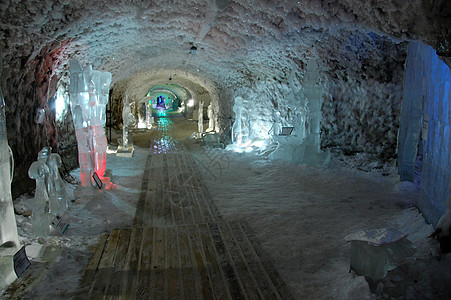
427, 89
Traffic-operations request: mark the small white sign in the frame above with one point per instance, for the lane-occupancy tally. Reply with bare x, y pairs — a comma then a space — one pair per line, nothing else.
58, 223
21, 262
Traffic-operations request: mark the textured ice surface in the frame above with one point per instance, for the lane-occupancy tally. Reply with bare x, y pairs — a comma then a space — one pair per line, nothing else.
426, 113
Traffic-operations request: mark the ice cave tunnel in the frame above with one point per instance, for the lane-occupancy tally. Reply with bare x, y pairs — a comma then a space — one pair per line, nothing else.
230, 149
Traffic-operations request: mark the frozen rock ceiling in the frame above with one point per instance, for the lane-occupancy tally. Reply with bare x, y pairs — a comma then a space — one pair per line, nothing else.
217, 44
229, 40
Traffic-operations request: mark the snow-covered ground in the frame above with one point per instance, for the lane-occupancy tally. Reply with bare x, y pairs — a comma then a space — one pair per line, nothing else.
299, 214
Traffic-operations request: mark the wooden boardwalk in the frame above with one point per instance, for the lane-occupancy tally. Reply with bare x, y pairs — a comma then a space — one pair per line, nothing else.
179, 246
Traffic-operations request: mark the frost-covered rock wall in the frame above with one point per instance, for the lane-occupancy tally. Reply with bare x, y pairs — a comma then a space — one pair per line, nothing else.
29, 86
362, 101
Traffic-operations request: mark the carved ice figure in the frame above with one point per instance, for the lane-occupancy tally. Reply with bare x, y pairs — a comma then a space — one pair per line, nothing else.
211, 121
127, 119
89, 96
240, 128
9, 240
200, 122
40, 213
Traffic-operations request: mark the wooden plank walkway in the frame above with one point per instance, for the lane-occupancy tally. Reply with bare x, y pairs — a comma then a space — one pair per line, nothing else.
179, 246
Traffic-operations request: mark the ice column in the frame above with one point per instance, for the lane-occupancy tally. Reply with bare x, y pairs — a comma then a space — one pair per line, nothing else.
79, 98
200, 122
127, 119
211, 121
309, 151
89, 95
9, 241
240, 128
102, 81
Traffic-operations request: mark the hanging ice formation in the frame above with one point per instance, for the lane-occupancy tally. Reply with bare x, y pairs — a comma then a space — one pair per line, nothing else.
89, 95
9, 240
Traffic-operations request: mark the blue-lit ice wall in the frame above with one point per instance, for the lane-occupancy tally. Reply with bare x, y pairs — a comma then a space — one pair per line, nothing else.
427, 90
411, 113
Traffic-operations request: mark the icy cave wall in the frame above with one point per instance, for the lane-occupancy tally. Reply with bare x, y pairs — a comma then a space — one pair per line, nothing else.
361, 88
425, 127
362, 103
29, 86
238, 45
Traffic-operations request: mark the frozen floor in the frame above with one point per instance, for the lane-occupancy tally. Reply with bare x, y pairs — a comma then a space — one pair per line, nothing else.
299, 215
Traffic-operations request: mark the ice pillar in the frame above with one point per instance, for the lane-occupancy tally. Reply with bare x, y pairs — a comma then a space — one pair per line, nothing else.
240, 128
127, 119
427, 110
200, 122
89, 96
102, 81
9, 241
309, 152
211, 121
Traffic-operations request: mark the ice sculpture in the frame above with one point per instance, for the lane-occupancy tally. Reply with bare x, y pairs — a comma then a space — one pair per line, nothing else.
211, 121
374, 252
9, 240
240, 128
146, 119
40, 214
89, 96
149, 118
128, 120
50, 197
200, 122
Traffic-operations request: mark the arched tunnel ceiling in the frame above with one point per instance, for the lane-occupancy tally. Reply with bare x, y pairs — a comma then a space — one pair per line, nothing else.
230, 41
